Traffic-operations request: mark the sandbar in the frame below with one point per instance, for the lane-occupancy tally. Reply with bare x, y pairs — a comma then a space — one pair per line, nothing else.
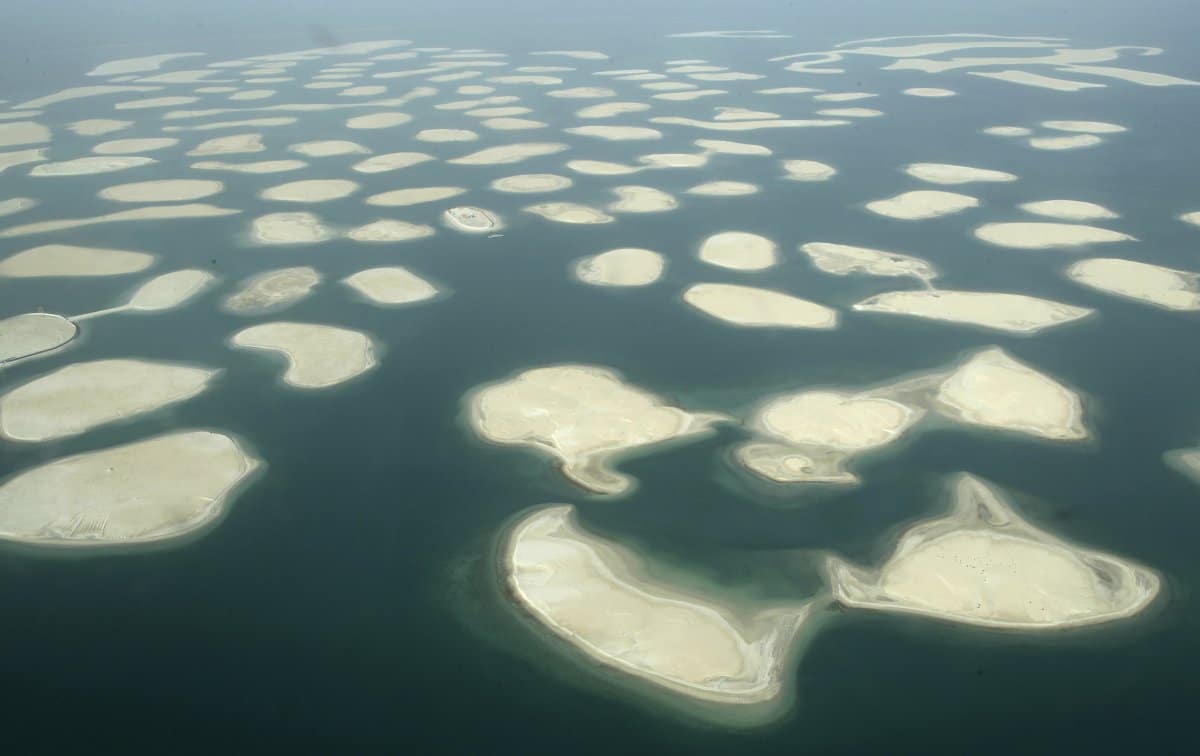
156, 102
391, 161
172, 190
414, 196
389, 230
1014, 313
310, 190
1163, 287
137, 65
33, 333
511, 153
272, 291
1046, 235
808, 170
1069, 210
944, 173
755, 307
1007, 131
68, 260
628, 266
531, 183
739, 250
675, 159
87, 166
851, 112
922, 204
641, 199
318, 356
161, 212
582, 93
512, 124
391, 285
723, 189
602, 168
251, 122
289, 228
569, 212
1065, 142
1186, 461
129, 146
75, 93
844, 259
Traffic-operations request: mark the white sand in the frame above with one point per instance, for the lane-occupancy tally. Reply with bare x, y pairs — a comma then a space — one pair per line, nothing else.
1065, 142
610, 109
944, 173
1192, 217
588, 592
628, 266
1008, 131
726, 147
98, 126
751, 306
569, 212
33, 333
531, 183
583, 416
602, 168
20, 157
1186, 461
391, 161
446, 135
328, 148
164, 488
252, 94
14, 205
808, 170
87, 166
472, 220
503, 112
843, 96
723, 189
739, 250
851, 112
173, 190
69, 260
1163, 287
391, 286
1014, 313
1086, 127
389, 230
248, 122
311, 190
728, 113
512, 124
23, 133
131, 146
1069, 210
786, 90
616, 133
582, 93
511, 153
168, 291
364, 91
162, 212
985, 565
922, 205
1046, 235
255, 168
318, 356
995, 391
414, 196
156, 102
929, 92
289, 228
233, 144
75, 93
641, 199
137, 65
576, 54
1030, 79
844, 259
77, 398
745, 125
695, 94
272, 291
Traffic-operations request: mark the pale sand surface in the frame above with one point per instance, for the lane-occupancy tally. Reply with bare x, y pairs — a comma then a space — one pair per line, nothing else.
786, 90
569, 212
993, 390
1153, 284
172, 190
739, 250
389, 230
1070, 210
1192, 217
289, 228
723, 189
75, 93
602, 168
472, 220
582, 415
1186, 461
79, 397
98, 126
162, 212
922, 204
248, 122
843, 96
628, 266
610, 109
1030, 79
582, 93
391, 161
808, 170
446, 135
156, 102
511, 153
130, 146
1046, 235
725, 76
165, 487
851, 112
945, 173
33, 333
929, 92
20, 157
745, 125
984, 565
14, 205
23, 133
576, 54
414, 196
844, 259
364, 91
254, 168
164, 292
69, 260
252, 94
616, 133
1086, 127
755, 307
589, 593
529, 183
695, 94
311, 190
1015, 313
501, 112
87, 166
1065, 142
272, 291
726, 147
541, 81
318, 356
137, 65
669, 86
474, 89
391, 286
641, 199
1008, 131
328, 148
730, 113
233, 144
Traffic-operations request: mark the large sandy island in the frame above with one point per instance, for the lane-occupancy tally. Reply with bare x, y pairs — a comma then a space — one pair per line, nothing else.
531, 183
1069, 210
86, 166
388, 230
472, 220
15, 205
257, 167
570, 212
844, 259
310, 190
162, 212
53, 260
808, 170
1046, 235
391, 285
511, 153
764, 308
165, 292
922, 204
79, 397
1163, 287
944, 173
234, 144
391, 161
1016, 313
33, 333
984, 565
289, 228
134, 146
628, 266
272, 291
328, 148
318, 356
616, 133
583, 416
171, 190
138, 494
414, 196
739, 250
723, 189
641, 199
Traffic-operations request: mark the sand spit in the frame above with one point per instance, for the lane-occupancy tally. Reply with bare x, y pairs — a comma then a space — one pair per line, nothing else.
161, 212
725, 147
174, 190
983, 564
760, 308
929, 92
289, 228
611, 109
23, 133
628, 266
414, 196
255, 168
53, 260
98, 126
165, 292
1076, 142
641, 199
328, 148
311, 190
1069, 210
582, 415
137, 65
593, 595
1007, 131
844, 259
1013, 313
531, 183
922, 205
1153, 284
272, 291
168, 486
808, 170
472, 220
87, 166
75, 93
21, 157
77, 398
234, 144
388, 231
1086, 127
249, 123
746, 125
446, 135
391, 286
739, 250
318, 356
944, 173
569, 212
511, 153
15, 205
34, 333
131, 146
391, 161
1046, 235
723, 189
616, 133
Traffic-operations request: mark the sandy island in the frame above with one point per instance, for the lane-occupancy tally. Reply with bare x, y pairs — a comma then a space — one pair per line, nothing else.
133, 146
392, 285
32, 334
391, 161
739, 250
844, 259
318, 356
311, 190
1015, 313
1046, 235
69, 260
328, 148
628, 266
87, 166
388, 230
569, 212
472, 220
531, 183
808, 170
289, 228
922, 205
414, 196
944, 173
1163, 287
1068, 210
234, 144
171, 190
723, 189
272, 291
641, 199
760, 308
511, 153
